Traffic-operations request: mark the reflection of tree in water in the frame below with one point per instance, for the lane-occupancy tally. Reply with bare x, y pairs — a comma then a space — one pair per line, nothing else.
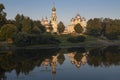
61, 58
104, 57
23, 61
78, 57
77, 50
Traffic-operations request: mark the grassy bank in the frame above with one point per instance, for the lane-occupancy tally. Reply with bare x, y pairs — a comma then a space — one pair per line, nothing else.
89, 42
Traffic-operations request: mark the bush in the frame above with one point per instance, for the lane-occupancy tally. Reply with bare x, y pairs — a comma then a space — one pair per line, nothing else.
22, 39
49, 39
112, 36
72, 40
94, 32
76, 39
81, 38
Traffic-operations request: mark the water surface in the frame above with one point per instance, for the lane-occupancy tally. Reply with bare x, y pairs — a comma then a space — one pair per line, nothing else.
61, 64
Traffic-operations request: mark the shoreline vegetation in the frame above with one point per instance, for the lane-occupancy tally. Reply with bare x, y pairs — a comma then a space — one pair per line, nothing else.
89, 43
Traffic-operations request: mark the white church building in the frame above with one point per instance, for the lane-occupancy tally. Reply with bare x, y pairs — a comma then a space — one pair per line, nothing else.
69, 29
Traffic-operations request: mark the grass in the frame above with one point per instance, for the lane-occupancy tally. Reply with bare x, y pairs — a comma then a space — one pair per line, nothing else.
89, 42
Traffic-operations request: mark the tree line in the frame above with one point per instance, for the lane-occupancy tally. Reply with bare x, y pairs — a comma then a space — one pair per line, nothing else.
104, 27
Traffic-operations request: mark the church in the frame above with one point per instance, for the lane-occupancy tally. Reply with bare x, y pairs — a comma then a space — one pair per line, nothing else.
69, 29
53, 21
77, 20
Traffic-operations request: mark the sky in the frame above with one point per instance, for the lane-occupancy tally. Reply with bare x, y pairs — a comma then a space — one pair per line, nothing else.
66, 9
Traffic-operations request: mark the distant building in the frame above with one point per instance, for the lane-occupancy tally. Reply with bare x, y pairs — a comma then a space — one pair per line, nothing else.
76, 20
52, 22
70, 29
54, 19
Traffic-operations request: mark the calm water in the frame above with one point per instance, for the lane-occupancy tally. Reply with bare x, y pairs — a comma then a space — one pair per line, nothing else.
61, 64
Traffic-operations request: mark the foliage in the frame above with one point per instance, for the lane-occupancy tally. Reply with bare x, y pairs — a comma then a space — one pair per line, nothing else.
94, 27
8, 30
2, 15
36, 30
106, 57
112, 36
23, 39
60, 27
106, 27
76, 39
49, 39
39, 25
27, 25
61, 58
94, 32
81, 38
78, 28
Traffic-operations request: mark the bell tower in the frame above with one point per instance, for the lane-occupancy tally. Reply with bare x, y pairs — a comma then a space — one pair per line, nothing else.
54, 19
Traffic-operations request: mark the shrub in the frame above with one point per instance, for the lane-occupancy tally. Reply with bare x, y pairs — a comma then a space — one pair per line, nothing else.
112, 36
94, 32
81, 38
22, 39
76, 39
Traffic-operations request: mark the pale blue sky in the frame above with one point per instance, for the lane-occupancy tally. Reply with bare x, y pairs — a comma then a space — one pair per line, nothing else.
66, 9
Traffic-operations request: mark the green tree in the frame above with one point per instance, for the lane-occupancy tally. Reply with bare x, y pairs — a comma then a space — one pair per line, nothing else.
18, 21
94, 27
27, 25
40, 26
21, 39
36, 30
8, 30
112, 28
60, 27
1, 7
78, 28
2, 15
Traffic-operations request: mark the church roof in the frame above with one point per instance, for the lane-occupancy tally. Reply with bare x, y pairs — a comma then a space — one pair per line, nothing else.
78, 16
53, 9
84, 19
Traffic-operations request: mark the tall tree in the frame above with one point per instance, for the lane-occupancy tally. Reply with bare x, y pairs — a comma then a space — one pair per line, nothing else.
39, 25
60, 27
2, 15
78, 28
27, 25
18, 21
94, 26
8, 30
1, 7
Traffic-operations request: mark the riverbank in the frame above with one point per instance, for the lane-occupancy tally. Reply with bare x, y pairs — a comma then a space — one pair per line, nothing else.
89, 42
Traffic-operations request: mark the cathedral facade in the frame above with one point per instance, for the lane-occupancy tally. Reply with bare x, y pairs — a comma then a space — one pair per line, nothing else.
52, 23
69, 29
77, 20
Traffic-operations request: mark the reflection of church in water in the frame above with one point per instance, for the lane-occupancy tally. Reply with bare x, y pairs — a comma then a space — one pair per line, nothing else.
52, 63
82, 60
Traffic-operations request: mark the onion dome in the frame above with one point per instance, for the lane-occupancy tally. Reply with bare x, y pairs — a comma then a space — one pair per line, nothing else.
53, 9
78, 16
83, 19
